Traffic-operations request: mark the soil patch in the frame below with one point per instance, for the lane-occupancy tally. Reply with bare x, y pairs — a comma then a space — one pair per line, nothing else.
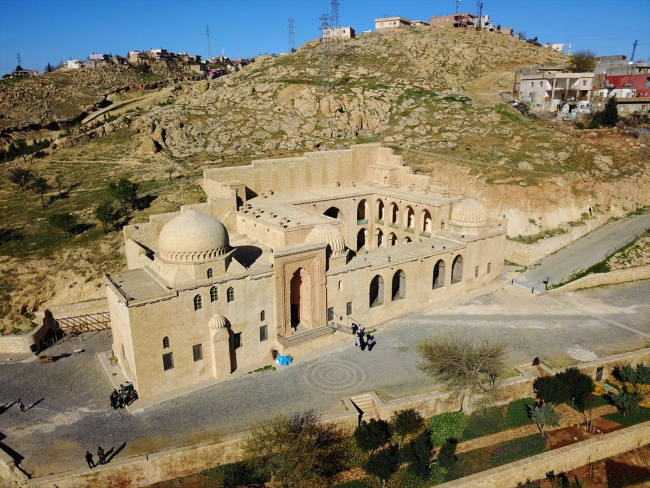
565, 437
606, 426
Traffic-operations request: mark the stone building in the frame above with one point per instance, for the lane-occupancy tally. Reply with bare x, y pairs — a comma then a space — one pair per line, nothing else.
289, 254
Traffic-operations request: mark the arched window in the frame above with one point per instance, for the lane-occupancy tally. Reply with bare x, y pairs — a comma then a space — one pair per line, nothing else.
262, 316
409, 218
393, 212
392, 239
334, 213
406, 240
214, 294
457, 269
230, 294
399, 285
379, 238
376, 291
362, 217
379, 210
198, 303
425, 222
439, 274
209, 273
165, 342
361, 239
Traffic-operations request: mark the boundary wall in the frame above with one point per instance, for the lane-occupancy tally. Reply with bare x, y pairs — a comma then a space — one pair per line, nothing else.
611, 278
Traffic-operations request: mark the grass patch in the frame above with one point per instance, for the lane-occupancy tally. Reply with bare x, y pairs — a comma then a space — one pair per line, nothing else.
446, 426
634, 417
268, 367
482, 423
601, 267
532, 239
513, 450
599, 402
517, 413
366, 482
233, 474
469, 463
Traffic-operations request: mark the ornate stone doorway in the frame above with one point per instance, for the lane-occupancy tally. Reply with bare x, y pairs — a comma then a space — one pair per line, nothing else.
300, 298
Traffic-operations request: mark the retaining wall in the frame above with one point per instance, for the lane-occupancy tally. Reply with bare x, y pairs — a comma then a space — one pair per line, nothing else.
611, 278
31, 342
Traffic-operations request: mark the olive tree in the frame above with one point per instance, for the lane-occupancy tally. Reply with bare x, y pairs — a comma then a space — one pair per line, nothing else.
40, 186
20, 176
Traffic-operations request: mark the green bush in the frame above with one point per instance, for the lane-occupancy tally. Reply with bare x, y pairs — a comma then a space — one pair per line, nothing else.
447, 456
516, 449
482, 423
550, 389
517, 413
233, 474
580, 125
437, 474
445, 426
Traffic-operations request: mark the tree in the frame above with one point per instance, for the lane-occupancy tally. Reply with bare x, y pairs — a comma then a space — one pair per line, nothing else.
522, 35
418, 454
466, 367
58, 179
544, 415
20, 177
64, 221
550, 389
626, 401
298, 450
583, 61
579, 384
406, 422
372, 435
170, 170
610, 113
636, 376
40, 186
125, 192
382, 464
105, 213
49, 68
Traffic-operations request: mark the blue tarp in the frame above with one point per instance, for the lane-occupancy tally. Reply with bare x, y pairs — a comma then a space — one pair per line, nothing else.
283, 360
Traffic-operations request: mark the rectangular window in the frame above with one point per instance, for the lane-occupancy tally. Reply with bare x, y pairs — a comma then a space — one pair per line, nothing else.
330, 313
541, 83
197, 351
476, 272
584, 82
489, 267
264, 333
532, 84
168, 361
348, 308
237, 340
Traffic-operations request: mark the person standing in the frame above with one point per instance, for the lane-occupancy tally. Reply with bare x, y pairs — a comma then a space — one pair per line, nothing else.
371, 342
21, 405
101, 457
89, 460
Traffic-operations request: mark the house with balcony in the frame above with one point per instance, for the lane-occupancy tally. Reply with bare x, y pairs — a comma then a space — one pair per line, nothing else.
548, 90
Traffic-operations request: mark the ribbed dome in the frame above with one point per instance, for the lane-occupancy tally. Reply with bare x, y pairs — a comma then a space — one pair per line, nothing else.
193, 236
329, 235
469, 213
217, 322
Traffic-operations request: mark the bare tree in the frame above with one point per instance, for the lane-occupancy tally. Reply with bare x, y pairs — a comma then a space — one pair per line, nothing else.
467, 368
583, 61
170, 170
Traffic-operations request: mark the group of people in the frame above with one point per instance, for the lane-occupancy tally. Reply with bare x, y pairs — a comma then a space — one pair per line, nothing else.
360, 342
124, 396
101, 458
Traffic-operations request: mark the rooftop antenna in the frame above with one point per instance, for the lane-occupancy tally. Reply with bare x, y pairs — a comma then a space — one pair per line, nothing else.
457, 7
634, 49
325, 62
207, 30
292, 45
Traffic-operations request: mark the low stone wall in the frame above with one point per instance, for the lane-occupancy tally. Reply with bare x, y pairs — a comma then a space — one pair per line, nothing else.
10, 474
31, 342
528, 254
559, 460
611, 278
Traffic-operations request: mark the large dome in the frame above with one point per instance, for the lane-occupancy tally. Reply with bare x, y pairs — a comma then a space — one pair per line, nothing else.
193, 236
329, 235
469, 213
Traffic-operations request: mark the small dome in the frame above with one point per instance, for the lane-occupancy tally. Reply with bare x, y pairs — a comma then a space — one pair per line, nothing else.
193, 236
469, 213
330, 235
217, 322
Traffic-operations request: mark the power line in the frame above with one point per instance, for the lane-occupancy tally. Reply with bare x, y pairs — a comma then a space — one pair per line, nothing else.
292, 45
325, 61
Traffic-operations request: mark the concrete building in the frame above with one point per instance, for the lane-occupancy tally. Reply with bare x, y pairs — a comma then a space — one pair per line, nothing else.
420, 23
99, 57
340, 32
289, 255
555, 47
546, 91
457, 20
80, 63
391, 23
25, 72
157, 53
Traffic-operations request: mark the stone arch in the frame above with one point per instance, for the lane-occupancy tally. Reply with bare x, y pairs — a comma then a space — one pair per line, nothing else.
425, 221
439, 274
379, 210
334, 213
376, 291
457, 269
393, 213
398, 289
406, 240
409, 218
392, 239
362, 212
379, 238
362, 237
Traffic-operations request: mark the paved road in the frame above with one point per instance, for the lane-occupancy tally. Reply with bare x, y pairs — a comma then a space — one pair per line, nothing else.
73, 412
585, 252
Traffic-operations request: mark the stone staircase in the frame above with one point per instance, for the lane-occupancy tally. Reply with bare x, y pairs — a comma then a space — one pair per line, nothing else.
366, 406
305, 336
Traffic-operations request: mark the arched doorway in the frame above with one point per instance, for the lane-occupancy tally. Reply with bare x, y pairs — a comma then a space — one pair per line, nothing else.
379, 210
300, 299
425, 219
406, 240
439, 274
379, 238
457, 269
392, 239
376, 291
361, 239
362, 212
334, 212
409, 218
393, 212
399, 285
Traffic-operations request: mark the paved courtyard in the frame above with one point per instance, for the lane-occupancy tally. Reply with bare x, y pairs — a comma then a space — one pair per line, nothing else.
72, 412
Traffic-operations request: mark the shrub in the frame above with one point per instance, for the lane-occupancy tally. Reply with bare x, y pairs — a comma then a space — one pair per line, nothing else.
418, 454
517, 413
233, 474
550, 389
516, 449
634, 417
445, 426
580, 125
544, 415
383, 463
372, 435
406, 422
626, 401
530, 484
578, 383
447, 456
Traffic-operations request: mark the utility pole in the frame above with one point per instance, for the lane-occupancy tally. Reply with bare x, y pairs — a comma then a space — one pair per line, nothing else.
292, 45
325, 62
207, 30
335, 26
457, 7
480, 16
19, 60
634, 50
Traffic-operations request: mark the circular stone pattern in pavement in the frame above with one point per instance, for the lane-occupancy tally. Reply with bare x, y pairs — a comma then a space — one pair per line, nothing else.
334, 376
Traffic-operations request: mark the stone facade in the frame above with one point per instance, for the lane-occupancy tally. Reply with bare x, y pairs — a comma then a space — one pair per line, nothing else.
287, 254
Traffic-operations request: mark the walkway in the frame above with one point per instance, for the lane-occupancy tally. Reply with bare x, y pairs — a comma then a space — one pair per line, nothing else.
585, 252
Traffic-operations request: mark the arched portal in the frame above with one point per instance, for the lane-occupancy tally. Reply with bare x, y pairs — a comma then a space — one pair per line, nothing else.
439, 274
379, 210
376, 291
379, 238
300, 298
399, 285
425, 221
393, 212
334, 212
406, 240
392, 239
457, 269
409, 218
362, 236
362, 212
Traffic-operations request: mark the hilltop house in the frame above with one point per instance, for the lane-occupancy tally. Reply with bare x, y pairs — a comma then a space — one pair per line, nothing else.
548, 89
340, 32
391, 23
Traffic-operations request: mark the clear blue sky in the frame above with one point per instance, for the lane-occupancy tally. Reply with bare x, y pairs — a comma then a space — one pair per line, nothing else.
45, 31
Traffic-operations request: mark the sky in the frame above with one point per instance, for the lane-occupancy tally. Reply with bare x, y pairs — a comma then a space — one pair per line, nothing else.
51, 31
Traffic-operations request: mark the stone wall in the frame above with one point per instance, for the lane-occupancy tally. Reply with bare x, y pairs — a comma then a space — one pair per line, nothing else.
611, 278
528, 254
10, 474
34, 341
559, 460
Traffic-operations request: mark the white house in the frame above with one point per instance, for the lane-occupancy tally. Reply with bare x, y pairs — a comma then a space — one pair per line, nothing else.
392, 23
